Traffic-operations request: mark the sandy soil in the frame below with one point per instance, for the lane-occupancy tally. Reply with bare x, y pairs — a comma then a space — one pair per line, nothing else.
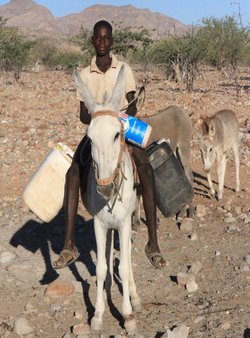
40, 111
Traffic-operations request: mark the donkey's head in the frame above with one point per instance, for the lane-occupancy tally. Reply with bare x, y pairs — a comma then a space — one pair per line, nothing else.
206, 144
106, 134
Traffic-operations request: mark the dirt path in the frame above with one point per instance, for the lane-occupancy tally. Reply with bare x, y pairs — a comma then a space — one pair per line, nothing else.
39, 112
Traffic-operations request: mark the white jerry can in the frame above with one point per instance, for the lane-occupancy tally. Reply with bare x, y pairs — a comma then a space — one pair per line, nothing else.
44, 191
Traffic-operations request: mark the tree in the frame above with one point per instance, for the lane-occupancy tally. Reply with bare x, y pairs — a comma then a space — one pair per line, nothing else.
126, 40
227, 41
180, 56
83, 39
14, 50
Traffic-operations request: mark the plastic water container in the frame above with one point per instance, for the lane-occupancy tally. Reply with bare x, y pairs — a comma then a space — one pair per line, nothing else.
135, 130
173, 189
44, 191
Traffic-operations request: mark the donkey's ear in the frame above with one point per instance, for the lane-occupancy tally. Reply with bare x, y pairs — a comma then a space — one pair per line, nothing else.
205, 124
211, 131
118, 92
84, 93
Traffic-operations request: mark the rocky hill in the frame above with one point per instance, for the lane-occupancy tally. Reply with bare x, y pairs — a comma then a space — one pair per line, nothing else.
28, 15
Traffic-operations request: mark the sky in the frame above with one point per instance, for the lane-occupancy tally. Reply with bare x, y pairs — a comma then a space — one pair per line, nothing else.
186, 11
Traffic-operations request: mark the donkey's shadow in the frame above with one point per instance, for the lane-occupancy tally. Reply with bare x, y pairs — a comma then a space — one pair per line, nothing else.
45, 237
201, 186
35, 236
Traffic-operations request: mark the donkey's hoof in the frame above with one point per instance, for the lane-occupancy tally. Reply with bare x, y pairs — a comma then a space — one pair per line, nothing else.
213, 193
136, 304
219, 196
191, 211
96, 324
130, 325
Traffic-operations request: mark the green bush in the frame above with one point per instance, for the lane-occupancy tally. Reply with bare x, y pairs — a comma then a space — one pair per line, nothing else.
14, 50
226, 41
68, 60
180, 57
43, 50
83, 40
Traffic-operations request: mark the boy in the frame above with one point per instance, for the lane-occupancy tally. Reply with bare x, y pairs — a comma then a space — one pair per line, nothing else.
100, 78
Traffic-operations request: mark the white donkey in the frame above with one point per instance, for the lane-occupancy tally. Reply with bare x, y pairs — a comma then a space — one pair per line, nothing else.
220, 135
110, 196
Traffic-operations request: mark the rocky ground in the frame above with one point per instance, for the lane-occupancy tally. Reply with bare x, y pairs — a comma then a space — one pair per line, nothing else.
37, 301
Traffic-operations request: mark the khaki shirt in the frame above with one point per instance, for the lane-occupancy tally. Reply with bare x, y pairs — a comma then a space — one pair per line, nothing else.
101, 84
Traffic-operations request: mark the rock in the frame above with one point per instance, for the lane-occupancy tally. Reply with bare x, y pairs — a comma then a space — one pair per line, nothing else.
82, 329
194, 236
182, 278
78, 286
199, 319
195, 268
247, 259
180, 331
237, 210
22, 270
186, 225
225, 326
191, 286
201, 211
50, 144
67, 335
22, 326
7, 257
55, 308
78, 314
230, 219
29, 307
59, 289
233, 228
244, 268
22, 252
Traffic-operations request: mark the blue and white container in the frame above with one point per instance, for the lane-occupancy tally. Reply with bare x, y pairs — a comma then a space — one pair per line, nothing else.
135, 130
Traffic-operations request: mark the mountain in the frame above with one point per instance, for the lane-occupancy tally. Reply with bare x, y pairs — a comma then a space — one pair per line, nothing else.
28, 15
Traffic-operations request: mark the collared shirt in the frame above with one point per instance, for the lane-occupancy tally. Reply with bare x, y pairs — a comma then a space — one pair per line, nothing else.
101, 85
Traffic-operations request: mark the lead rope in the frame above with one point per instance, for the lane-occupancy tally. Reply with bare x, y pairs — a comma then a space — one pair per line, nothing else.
118, 195
135, 99
123, 176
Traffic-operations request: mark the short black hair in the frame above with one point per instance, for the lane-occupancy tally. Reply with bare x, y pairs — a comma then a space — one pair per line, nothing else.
103, 23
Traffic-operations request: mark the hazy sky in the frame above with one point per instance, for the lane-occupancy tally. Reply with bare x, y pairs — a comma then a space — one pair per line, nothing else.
186, 11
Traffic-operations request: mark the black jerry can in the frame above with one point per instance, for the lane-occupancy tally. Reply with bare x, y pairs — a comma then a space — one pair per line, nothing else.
173, 189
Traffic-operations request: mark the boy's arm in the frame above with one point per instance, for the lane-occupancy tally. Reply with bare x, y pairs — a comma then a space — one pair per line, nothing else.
85, 117
132, 109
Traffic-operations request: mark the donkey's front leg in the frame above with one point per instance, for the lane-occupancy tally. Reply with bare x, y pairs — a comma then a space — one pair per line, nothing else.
124, 272
210, 183
135, 299
221, 168
101, 271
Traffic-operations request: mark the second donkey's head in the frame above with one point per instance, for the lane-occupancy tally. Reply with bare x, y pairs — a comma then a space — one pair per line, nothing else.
207, 142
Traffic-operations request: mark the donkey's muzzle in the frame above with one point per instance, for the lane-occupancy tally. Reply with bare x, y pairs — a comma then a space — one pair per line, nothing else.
107, 191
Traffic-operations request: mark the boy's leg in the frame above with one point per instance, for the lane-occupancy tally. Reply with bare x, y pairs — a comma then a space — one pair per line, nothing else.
146, 175
71, 199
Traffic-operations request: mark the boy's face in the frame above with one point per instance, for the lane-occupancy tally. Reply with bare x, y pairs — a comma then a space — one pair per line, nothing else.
102, 41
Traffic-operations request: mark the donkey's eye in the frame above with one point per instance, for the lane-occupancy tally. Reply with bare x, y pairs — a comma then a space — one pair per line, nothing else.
116, 136
210, 150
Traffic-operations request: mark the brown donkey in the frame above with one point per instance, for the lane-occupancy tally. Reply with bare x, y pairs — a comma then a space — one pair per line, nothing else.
220, 135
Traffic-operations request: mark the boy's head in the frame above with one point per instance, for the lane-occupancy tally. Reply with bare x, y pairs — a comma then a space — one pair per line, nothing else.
102, 37
102, 24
